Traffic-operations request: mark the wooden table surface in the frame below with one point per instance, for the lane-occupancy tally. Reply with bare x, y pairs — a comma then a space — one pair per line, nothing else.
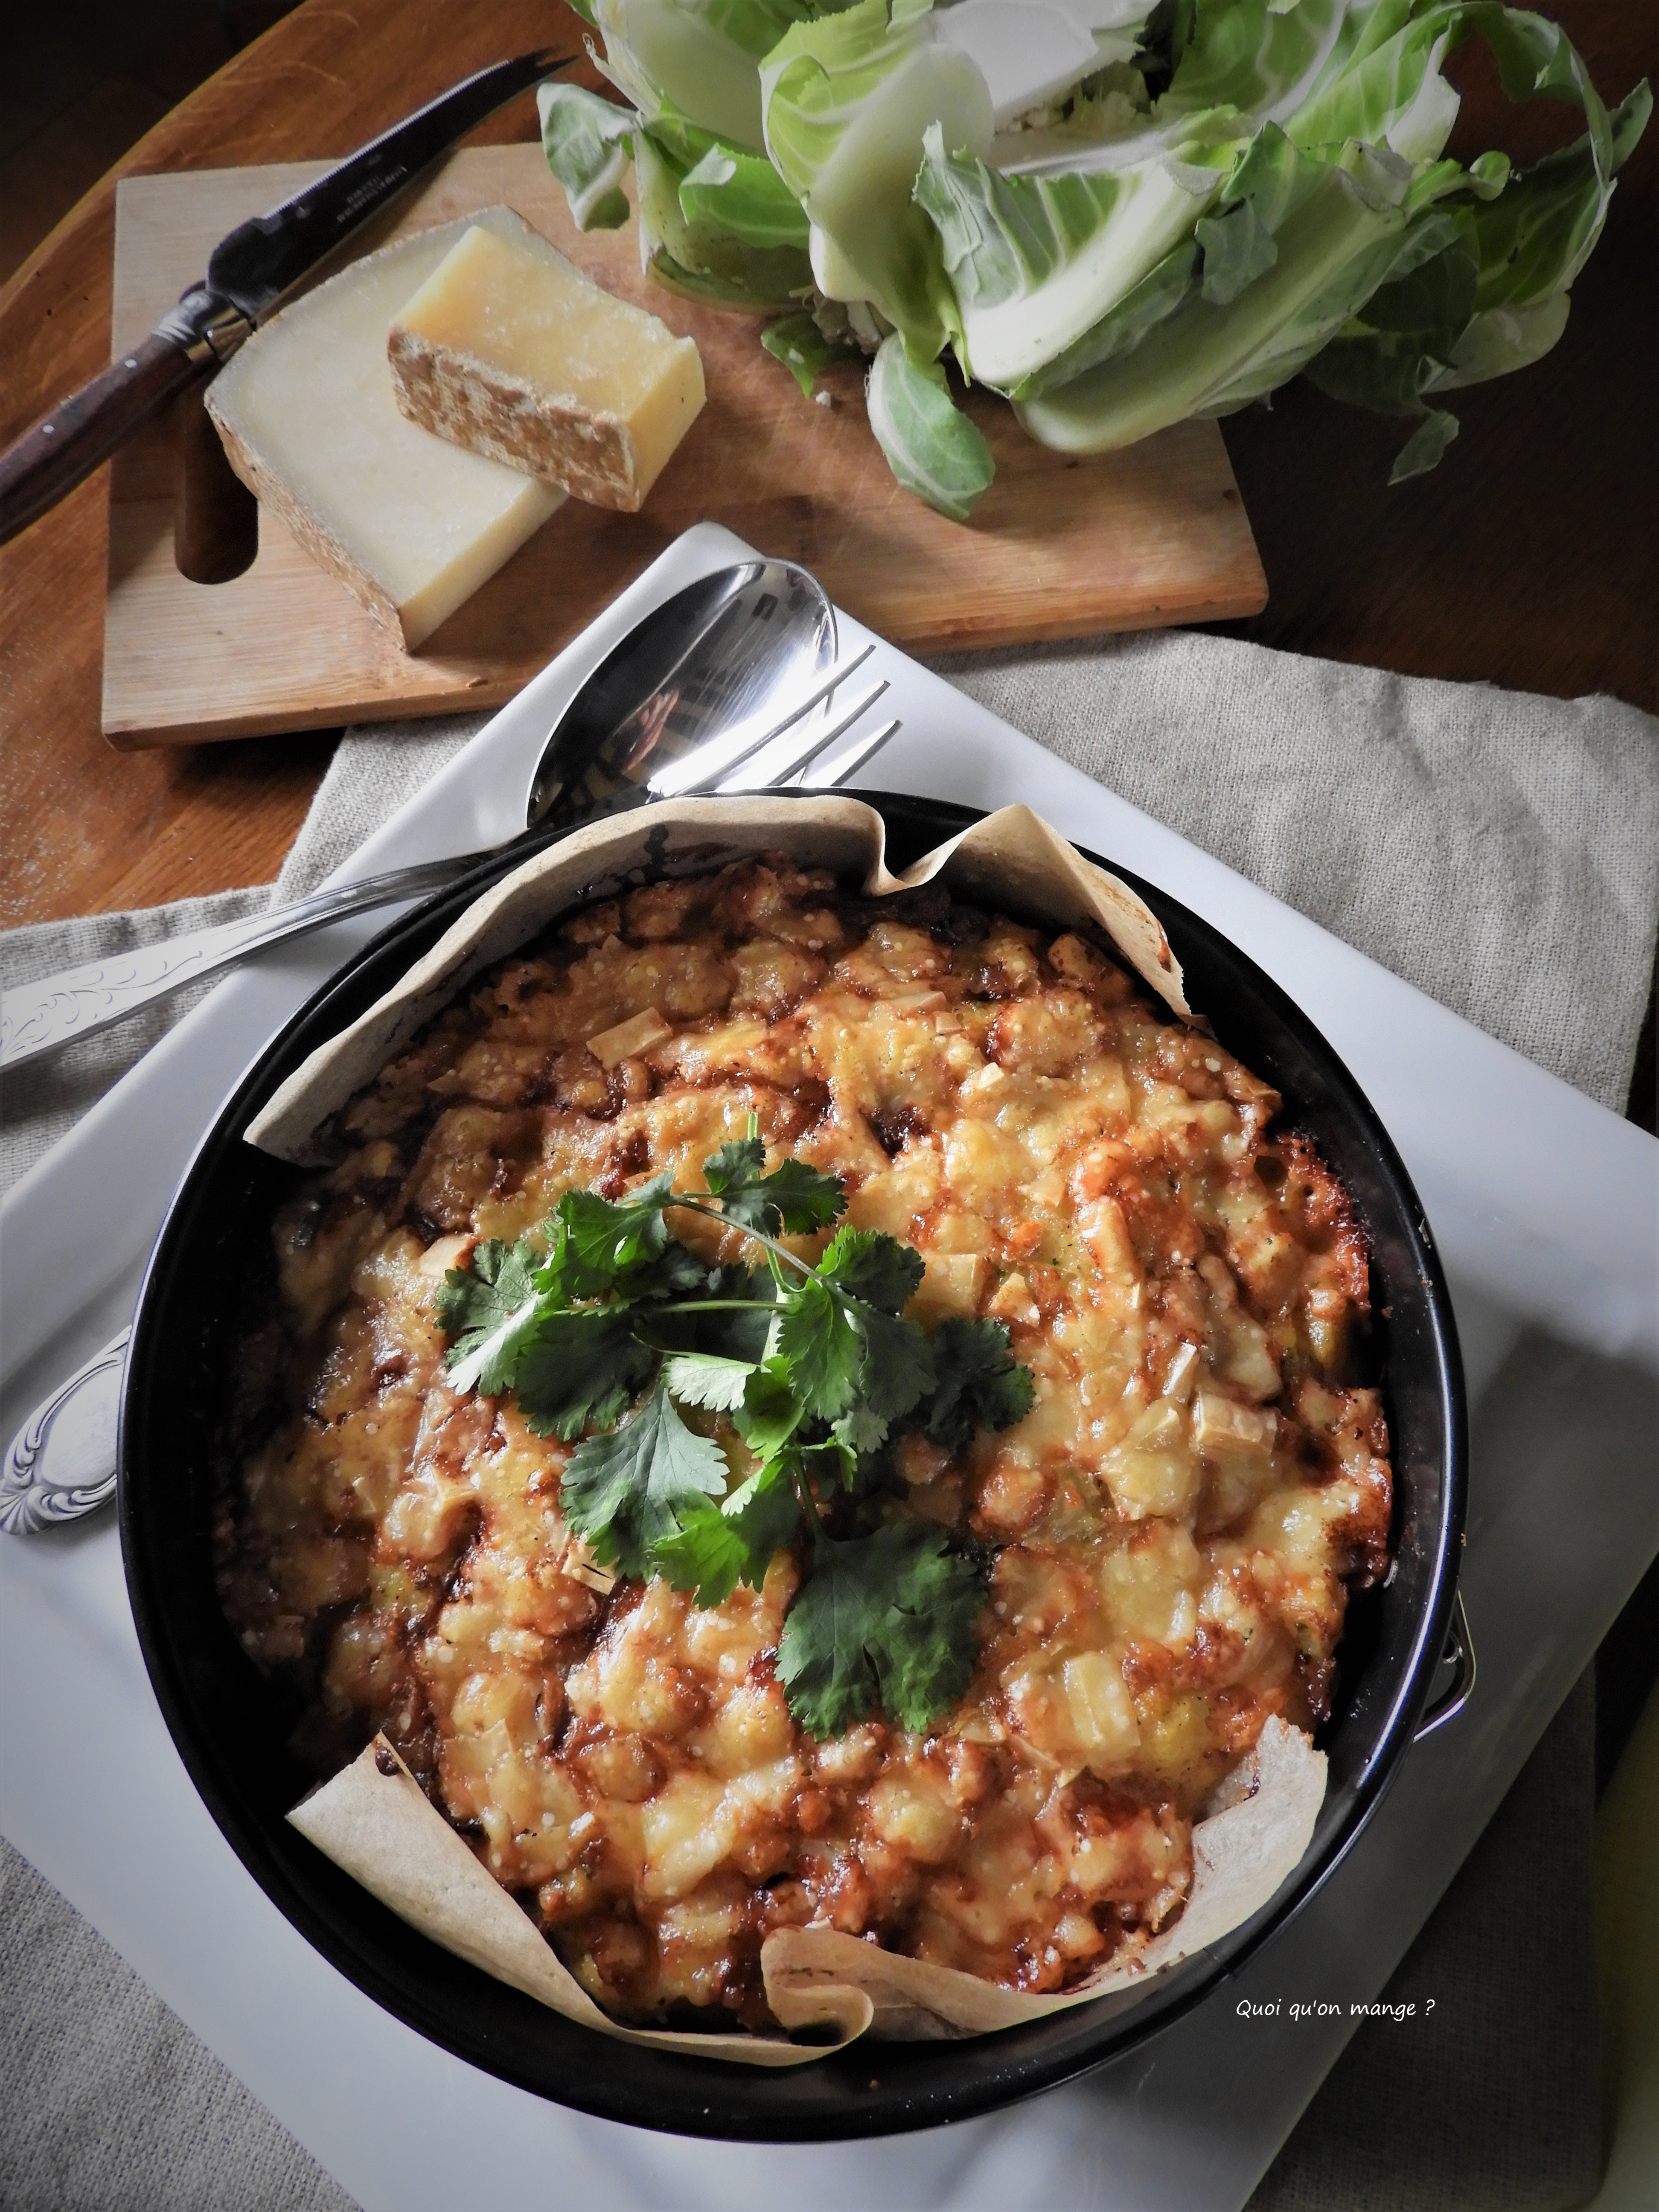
1530, 558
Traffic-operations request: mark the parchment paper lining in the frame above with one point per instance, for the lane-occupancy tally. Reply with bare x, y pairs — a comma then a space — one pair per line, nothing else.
1012, 858
373, 1819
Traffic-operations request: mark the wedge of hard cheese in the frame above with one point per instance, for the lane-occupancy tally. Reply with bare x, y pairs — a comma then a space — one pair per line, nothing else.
509, 349
412, 524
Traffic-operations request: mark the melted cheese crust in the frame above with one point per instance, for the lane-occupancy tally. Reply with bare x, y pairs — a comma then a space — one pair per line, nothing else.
1178, 1522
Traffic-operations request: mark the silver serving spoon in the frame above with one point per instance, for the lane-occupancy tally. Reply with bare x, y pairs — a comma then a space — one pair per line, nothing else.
696, 689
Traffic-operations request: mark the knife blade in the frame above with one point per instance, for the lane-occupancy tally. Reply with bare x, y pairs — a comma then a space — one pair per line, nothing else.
248, 272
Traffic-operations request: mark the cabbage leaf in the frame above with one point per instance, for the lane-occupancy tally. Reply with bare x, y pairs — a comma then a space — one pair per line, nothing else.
589, 145
931, 446
1489, 292
847, 102
1423, 449
698, 59
710, 228
1258, 59
1158, 293
1225, 67
1331, 254
1008, 237
1382, 84
1207, 198
743, 195
1035, 262
804, 351
1473, 284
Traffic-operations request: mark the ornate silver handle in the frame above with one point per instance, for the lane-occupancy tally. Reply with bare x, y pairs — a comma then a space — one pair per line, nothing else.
61, 1463
40, 1016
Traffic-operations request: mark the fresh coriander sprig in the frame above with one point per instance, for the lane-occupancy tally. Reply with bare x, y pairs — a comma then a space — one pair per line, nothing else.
814, 1366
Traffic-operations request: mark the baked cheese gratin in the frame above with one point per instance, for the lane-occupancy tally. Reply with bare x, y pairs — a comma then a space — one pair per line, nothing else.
1141, 1534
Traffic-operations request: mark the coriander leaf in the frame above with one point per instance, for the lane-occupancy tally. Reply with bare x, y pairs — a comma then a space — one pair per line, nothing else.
868, 1264
884, 1622
747, 1207
976, 1383
738, 1335
705, 1554
675, 1273
926, 1660
765, 1508
824, 1658
843, 1462
794, 1196
805, 1199
738, 1166
770, 1412
820, 1344
860, 1431
602, 1241
653, 1291
703, 1378
489, 1309
899, 1364
896, 1373
579, 1370
553, 1277
717, 1548
624, 1494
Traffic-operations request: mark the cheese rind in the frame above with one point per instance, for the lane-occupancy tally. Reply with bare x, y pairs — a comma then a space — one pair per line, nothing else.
409, 523
509, 349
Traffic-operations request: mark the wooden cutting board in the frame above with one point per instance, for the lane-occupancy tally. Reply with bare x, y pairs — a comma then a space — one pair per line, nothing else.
1058, 548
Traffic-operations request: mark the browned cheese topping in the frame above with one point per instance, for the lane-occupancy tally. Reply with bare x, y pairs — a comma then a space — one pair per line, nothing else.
1175, 1526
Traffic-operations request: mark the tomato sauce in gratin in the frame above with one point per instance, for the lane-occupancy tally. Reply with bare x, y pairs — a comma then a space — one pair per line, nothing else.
1175, 1528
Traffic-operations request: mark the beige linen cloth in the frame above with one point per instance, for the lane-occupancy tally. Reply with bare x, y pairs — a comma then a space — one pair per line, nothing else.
1500, 851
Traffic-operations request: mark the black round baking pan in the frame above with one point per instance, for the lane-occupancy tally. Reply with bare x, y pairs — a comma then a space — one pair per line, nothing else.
209, 1272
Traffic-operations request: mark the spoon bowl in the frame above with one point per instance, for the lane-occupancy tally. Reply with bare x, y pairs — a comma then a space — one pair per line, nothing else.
713, 660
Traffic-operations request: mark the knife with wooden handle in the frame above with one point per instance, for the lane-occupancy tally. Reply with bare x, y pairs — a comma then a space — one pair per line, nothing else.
248, 274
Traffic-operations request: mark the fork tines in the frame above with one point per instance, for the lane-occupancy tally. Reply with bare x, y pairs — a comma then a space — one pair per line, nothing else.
705, 768
784, 757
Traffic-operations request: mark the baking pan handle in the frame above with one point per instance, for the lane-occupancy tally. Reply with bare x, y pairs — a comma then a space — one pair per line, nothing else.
1459, 1654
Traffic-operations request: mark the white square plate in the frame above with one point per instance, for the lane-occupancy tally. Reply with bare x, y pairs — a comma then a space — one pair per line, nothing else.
1545, 1208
